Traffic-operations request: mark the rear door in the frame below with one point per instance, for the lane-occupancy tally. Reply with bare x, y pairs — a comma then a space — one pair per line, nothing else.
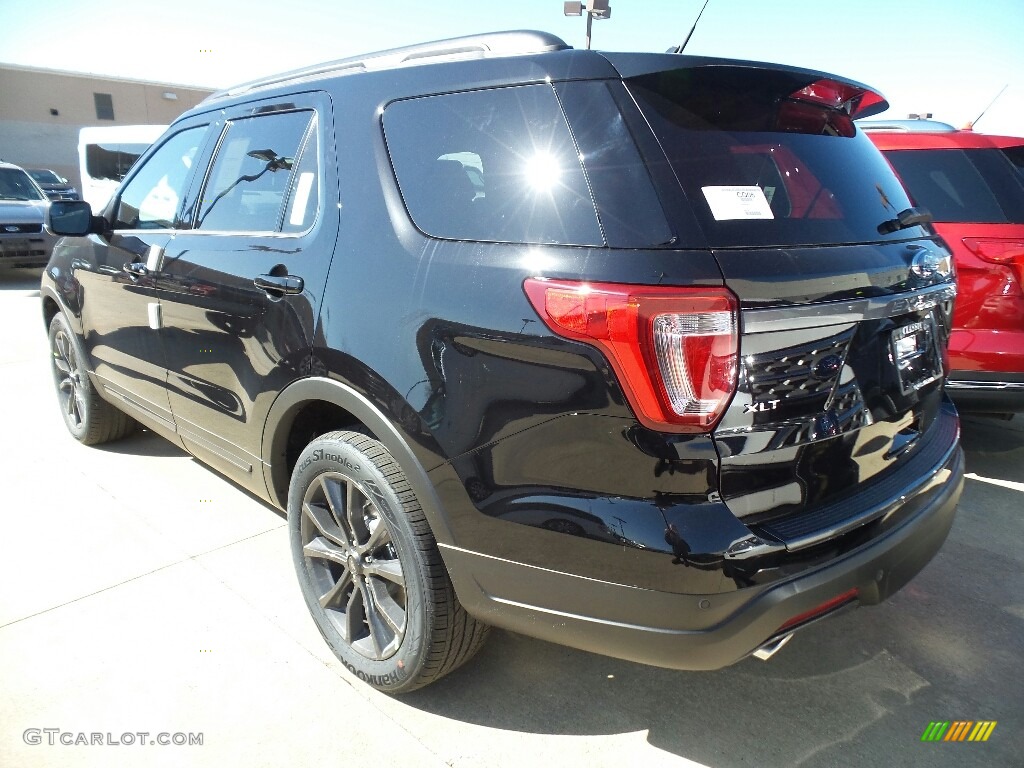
843, 322
241, 288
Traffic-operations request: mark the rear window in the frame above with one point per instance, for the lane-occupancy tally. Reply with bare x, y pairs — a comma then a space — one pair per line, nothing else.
1016, 156
112, 161
762, 168
963, 185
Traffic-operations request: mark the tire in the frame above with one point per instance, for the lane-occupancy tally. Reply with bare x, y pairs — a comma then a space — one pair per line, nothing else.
374, 582
90, 419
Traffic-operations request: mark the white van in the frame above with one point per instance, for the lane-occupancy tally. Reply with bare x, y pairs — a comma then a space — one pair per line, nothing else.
105, 154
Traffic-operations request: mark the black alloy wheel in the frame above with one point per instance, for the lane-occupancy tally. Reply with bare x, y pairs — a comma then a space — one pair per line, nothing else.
353, 565
89, 418
369, 567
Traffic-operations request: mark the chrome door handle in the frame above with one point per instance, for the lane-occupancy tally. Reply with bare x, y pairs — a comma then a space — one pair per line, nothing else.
135, 269
280, 284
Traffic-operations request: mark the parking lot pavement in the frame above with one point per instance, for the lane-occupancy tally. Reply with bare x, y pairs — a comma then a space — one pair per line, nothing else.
142, 593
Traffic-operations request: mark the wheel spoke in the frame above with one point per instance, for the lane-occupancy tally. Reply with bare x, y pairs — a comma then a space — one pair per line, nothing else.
326, 524
378, 537
322, 548
336, 504
67, 385
328, 599
355, 505
61, 363
352, 625
375, 621
389, 570
386, 617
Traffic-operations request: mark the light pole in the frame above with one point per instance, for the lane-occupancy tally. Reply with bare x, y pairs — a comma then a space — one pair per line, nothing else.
595, 9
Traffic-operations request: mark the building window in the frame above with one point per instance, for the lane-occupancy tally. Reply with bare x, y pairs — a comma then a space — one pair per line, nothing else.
104, 106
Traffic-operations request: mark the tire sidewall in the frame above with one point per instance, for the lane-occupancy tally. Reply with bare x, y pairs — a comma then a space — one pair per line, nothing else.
338, 456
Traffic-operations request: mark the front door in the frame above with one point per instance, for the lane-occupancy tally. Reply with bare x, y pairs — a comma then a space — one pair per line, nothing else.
120, 309
240, 290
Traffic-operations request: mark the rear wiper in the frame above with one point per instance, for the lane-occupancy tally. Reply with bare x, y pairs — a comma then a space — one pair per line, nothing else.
905, 219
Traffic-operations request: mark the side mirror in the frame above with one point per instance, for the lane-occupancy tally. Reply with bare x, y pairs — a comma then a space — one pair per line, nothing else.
72, 218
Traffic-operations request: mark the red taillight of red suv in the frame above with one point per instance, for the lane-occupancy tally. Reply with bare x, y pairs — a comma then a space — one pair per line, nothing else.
674, 350
1006, 253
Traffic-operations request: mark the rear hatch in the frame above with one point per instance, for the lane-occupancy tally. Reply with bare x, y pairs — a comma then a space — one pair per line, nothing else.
844, 318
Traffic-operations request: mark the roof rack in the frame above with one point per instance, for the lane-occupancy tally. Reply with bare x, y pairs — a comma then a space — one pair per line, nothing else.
516, 42
905, 126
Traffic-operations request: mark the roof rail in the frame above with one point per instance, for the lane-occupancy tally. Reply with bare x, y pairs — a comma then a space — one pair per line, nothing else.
905, 126
516, 42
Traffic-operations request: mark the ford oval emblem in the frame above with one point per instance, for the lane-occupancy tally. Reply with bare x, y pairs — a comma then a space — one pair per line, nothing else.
928, 264
828, 367
11, 228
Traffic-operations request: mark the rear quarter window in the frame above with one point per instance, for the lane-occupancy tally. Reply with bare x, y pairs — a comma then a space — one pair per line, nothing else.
497, 165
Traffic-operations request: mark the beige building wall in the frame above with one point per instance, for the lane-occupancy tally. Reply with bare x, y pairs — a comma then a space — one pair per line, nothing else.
41, 112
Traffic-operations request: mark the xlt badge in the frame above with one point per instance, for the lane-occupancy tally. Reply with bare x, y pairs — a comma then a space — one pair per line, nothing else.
761, 407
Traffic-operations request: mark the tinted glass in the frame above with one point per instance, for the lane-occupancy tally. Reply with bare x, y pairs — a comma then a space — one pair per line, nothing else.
152, 197
45, 177
627, 205
112, 161
497, 165
1016, 156
16, 185
957, 185
763, 169
252, 173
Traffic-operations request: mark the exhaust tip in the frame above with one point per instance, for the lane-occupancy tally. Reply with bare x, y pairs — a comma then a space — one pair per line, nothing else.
772, 647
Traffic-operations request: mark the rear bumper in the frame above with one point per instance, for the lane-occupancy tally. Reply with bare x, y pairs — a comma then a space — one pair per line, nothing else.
703, 632
983, 392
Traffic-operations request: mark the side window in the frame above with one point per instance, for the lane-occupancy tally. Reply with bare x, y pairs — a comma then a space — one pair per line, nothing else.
498, 165
252, 175
152, 198
627, 204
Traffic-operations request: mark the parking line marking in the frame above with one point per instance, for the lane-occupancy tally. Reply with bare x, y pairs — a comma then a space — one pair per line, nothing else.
993, 481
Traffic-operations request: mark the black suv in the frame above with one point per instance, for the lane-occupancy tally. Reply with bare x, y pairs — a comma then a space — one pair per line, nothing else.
638, 353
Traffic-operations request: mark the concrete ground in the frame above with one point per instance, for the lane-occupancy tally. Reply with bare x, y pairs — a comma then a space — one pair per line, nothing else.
142, 593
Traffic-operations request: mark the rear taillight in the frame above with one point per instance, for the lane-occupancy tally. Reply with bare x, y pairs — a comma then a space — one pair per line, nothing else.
674, 350
1008, 253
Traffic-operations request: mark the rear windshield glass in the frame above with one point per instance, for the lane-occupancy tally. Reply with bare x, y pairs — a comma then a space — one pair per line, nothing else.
963, 185
761, 168
1016, 156
45, 177
112, 161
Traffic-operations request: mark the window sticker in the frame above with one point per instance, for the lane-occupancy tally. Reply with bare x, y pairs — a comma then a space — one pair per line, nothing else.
729, 203
301, 198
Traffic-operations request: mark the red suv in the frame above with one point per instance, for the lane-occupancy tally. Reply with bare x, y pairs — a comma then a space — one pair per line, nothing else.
973, 185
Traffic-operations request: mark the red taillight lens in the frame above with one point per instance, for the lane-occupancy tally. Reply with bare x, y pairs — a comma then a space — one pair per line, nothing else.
1008, 253
674, 350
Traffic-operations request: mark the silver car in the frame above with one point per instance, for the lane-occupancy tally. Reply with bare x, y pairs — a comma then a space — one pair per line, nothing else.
24, 242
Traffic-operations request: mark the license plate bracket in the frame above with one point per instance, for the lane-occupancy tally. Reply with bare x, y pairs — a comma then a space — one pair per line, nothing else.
915, 354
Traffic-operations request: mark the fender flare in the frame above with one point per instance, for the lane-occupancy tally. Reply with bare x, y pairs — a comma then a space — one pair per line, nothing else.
321, 389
